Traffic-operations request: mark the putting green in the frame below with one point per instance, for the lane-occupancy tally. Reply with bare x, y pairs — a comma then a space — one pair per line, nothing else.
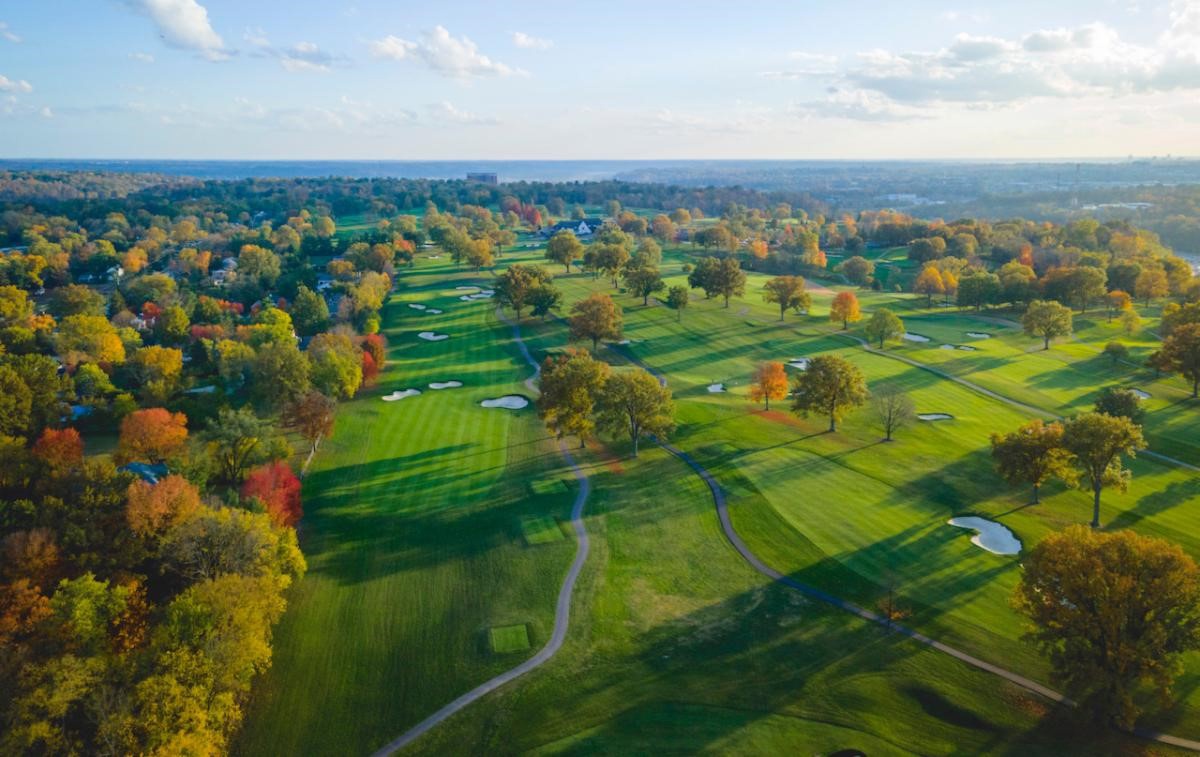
507, 639
541, 529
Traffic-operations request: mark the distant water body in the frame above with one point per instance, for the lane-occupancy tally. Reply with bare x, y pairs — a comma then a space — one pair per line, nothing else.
506, 170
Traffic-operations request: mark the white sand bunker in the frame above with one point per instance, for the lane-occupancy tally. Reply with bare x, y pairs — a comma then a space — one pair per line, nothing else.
990, 535
800, 363
508, 402
466, 289
935, 417
625, 341
947, 347
716, 388
966, 347
477, 296
979, 335
400, 394
433, 311
445, 385
416, 306
915, 337
1141, 394
431, 336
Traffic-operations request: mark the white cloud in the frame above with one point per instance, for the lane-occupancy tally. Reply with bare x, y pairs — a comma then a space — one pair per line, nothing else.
529, 42
142, 57
7, 34
183, 24
456, 57
447, 112
300, 57
1086, 61
14, 85
802, 65
855, 105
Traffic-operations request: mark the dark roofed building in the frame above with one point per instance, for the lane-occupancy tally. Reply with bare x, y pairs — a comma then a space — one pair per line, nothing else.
583, 228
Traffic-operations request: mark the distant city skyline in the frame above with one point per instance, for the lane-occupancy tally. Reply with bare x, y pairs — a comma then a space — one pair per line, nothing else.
217, 79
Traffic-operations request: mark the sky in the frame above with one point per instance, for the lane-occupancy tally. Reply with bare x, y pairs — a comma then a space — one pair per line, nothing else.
395, 79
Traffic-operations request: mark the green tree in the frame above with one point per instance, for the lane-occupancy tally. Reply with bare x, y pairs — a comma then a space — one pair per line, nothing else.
634, 402
596, 317
1181, 353
76, 299
1116, 352
564, 248
1113, 611
517, 283
258, 265
1099, 442
788, 292
1033, 454
16, 403
1046, 319
543, 298
309, 312
237, 441
857, 270
830, 386
1121, 403
171, 326
643, 281
570, 384
729, 279
704, 276
677, 299
884, 325
978, 289
280, 373
335, 365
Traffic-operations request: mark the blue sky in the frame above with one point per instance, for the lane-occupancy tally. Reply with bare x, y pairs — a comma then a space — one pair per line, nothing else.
443, 80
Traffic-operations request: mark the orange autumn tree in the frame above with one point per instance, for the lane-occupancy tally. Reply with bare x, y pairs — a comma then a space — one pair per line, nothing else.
155, 508
277, 487
769, 383
59, 449
151, 435
845, 309
758, 249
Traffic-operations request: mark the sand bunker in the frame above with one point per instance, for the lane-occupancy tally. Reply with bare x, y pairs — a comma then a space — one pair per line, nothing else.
433, 311
915, 337
1141, 394
966, 347
400, 394
465, 289
716, 388
445, 385
935, 417
990, 535
477, 296
800, 363
947, 347
979, 335
431, 336
625, 341
508, 402
416, 306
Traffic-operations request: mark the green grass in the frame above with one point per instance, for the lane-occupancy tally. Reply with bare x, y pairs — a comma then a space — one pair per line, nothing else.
509, 639
540, 529
420, 514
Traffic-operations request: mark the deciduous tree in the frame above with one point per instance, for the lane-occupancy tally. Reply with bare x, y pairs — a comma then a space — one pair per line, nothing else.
1113, 611
151, 435
677, 299
788, 292
830, 386
596, 317
312, 416
894, 409
1180, 353
770, 382
845, 309
1099, 442
152, 509
276, 486
634, 402
564, 248
570, 384
1033, 454
1046, 319
884, 325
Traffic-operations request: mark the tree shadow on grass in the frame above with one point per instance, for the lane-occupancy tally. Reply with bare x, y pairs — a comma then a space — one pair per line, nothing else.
1156, 502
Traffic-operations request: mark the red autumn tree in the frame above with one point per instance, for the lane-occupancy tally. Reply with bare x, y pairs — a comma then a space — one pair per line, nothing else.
151, 435
370, 371
376, 345
59, 449
153, 508
279, 490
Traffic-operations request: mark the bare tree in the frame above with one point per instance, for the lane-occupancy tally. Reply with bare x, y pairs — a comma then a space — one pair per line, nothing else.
894, 409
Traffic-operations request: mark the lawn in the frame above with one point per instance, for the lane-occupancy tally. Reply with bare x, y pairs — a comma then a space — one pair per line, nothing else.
432, 524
